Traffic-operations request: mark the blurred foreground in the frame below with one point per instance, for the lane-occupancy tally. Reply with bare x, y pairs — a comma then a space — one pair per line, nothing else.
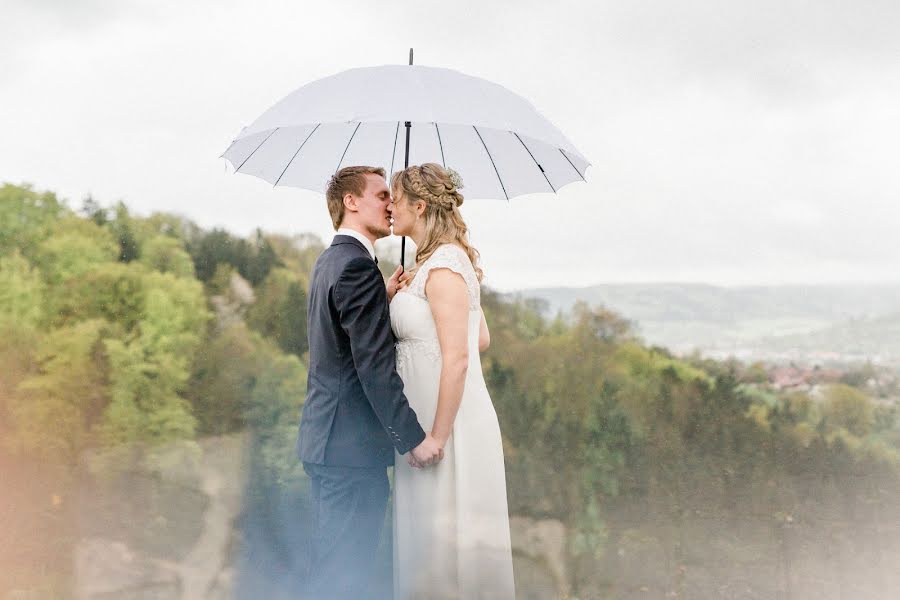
209, 525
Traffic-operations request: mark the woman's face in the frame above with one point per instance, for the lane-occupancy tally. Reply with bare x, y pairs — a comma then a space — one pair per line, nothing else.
404, 214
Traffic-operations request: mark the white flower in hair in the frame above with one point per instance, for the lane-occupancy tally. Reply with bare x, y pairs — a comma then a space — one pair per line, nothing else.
455, 178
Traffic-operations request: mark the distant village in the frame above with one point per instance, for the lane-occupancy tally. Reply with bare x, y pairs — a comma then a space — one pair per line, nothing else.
882, 384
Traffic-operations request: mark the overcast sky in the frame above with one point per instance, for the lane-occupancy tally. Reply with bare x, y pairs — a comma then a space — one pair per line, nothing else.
731, 142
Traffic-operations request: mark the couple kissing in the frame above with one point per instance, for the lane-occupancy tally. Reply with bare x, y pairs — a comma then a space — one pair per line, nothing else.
395, 379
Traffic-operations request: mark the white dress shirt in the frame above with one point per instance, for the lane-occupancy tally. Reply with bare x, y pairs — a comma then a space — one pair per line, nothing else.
355, 234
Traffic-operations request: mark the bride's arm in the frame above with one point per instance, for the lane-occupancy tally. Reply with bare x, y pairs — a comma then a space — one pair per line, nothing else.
449, 301
484, 334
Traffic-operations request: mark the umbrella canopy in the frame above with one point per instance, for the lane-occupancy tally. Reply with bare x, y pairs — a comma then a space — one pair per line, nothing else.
500, 144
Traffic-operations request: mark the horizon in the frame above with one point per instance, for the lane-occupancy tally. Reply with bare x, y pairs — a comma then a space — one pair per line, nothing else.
819, 284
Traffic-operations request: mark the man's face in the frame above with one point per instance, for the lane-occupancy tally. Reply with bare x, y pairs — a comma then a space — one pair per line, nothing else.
375, 206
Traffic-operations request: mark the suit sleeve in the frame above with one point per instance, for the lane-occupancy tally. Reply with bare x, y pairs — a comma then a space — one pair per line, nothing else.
361, 302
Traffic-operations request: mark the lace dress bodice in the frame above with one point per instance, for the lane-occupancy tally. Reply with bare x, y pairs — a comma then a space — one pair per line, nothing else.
411, 317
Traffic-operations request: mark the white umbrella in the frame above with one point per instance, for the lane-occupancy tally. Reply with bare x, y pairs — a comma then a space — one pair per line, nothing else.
395, 115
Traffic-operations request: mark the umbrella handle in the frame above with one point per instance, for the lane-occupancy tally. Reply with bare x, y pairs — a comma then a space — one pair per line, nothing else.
405, 165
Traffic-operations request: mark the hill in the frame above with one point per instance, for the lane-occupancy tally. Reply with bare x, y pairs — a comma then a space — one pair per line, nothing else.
847, 321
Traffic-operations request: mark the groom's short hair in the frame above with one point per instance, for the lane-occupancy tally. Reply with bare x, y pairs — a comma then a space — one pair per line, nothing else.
348, 180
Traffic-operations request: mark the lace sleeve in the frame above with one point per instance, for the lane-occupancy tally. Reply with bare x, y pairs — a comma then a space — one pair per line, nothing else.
449, 256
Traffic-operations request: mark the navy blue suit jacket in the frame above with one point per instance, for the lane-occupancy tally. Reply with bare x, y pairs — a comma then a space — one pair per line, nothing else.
355, 413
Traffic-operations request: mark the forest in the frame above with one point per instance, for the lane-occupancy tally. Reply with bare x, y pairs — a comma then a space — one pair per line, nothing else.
121, 335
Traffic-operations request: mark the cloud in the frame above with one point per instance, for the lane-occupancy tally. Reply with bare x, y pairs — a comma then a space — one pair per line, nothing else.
731, 142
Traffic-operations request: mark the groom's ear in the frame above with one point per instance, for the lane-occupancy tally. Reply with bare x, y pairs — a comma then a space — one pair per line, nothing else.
350, 202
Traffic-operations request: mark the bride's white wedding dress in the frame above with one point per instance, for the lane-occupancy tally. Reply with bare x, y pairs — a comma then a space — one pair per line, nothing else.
451, 525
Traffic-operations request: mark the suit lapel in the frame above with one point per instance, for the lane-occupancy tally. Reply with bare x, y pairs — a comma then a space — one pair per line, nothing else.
347, 239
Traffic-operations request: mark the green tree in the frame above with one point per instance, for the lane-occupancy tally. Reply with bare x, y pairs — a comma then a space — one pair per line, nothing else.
144, 405
280, 311
113, 291
149, 373
297, 254
273, 412
167, 255
26, 218
252, 261
215, 247
848, 408
54, 409
21, 315
122, 229
93, 211
223, 379
76, 246
293, 336
261, 260
21, 294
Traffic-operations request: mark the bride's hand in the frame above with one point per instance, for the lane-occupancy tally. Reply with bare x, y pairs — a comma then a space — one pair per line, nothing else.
393, 284
404, 280
397, 283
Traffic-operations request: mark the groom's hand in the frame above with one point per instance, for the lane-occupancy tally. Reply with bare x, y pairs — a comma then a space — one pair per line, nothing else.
393, 284
429, 452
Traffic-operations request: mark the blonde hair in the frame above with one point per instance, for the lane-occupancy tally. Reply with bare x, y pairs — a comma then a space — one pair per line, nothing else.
349, 180
444, 224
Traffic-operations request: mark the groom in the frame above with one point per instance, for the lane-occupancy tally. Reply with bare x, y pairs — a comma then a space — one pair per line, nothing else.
355, 414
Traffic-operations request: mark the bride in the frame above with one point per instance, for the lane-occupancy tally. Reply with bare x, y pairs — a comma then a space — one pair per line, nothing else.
451, 525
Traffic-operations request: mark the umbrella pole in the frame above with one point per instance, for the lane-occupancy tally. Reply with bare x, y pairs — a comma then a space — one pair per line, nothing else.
405, 165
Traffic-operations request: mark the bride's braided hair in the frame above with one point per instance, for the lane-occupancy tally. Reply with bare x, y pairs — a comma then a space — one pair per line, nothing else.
447, 198
439, 189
